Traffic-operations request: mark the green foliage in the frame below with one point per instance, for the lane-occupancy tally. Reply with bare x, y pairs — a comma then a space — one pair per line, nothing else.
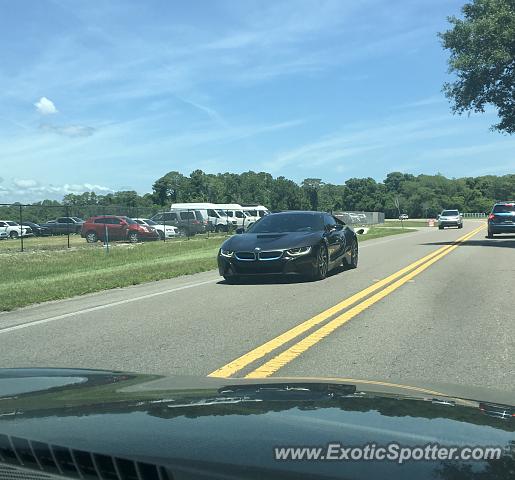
482, 56
419, 196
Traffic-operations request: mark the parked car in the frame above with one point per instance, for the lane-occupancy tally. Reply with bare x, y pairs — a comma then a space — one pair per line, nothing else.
116, 228
450, 218
501, 219
14, 229
168, 231
403, 216
188, 222
64, 225
38, 230
302, 243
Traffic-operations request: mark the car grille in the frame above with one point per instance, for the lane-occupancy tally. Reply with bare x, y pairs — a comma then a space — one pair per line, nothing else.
264, 256
274, 255
245, 256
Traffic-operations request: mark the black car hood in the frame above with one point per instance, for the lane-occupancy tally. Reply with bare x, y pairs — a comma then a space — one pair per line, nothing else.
213, 424
271, 241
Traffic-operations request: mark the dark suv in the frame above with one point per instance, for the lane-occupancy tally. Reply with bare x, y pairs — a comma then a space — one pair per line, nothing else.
189, 222
116, 228
502, 219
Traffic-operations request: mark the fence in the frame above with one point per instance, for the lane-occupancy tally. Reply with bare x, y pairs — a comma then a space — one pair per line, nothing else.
59, 226
360, 218
475, 215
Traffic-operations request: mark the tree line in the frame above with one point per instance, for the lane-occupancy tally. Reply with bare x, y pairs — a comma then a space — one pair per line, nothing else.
418, 196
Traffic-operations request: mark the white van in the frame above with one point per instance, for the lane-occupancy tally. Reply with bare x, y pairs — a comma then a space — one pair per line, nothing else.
234, 214
209, 211
255, 211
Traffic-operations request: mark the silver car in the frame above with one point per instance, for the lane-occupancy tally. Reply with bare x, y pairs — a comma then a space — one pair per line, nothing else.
450, 218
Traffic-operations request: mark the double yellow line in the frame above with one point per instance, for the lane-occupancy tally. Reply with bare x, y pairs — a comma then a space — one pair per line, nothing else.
398, 278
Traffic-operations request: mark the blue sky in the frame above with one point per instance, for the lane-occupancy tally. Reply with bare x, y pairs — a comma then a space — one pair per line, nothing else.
110, 95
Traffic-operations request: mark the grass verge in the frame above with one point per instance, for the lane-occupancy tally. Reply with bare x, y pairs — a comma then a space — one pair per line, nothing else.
49, 274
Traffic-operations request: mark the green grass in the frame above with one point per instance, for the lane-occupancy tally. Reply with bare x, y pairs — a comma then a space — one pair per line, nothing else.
406, 223
377, 232
47, 271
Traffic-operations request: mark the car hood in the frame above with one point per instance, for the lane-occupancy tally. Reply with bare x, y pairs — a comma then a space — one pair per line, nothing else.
271, 241
178, 421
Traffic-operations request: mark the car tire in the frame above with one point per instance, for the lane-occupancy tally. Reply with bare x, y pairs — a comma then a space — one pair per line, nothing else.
14, 235
133, 237
460, 225
490, 234
161, 234
353, 262
322, 263
91, 237
440, 227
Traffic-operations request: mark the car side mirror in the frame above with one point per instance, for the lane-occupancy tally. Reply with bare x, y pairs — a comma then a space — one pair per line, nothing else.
240, 230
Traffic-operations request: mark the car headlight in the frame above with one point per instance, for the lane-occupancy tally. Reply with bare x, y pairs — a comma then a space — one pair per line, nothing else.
226, 253
297, 252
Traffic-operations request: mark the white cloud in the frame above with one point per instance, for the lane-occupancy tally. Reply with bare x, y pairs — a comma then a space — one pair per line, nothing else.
25, 183
30, 190
69, 130
45, 106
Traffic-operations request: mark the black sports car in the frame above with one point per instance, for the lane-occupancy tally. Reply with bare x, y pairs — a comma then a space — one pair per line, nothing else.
295, 242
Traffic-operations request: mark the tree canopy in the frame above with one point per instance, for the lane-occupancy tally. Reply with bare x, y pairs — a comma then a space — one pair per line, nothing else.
418, 196
482, 56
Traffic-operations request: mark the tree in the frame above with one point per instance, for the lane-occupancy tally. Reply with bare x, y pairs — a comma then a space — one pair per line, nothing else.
482, 55
169, 188
311, 186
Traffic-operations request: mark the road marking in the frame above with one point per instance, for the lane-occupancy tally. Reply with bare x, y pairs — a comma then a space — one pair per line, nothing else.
102, 307
241, 362
285, 357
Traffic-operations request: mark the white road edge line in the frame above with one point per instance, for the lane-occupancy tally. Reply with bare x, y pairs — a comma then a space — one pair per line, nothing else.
102, 307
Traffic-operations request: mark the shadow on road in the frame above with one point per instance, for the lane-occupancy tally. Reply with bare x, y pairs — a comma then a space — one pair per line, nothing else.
506, 241
279, 279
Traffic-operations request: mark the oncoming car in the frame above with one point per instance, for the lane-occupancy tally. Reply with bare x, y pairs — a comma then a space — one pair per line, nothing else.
450, 218
294, 242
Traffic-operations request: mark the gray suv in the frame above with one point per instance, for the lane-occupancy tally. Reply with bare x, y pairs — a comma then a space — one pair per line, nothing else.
450, 218
188, 222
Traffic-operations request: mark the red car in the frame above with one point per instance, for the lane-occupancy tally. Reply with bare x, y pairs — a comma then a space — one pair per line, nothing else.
116, 228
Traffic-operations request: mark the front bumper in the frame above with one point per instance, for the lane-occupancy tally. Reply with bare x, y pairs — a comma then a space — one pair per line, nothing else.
450, 223
148, 236
285, 265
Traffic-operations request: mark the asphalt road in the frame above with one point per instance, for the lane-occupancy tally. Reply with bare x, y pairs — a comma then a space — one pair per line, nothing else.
446, 320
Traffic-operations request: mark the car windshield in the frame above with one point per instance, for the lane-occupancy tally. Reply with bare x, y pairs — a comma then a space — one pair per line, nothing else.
506, 208
150, 222
77, 219
12, 224
293, 222
130, 221
450, 213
